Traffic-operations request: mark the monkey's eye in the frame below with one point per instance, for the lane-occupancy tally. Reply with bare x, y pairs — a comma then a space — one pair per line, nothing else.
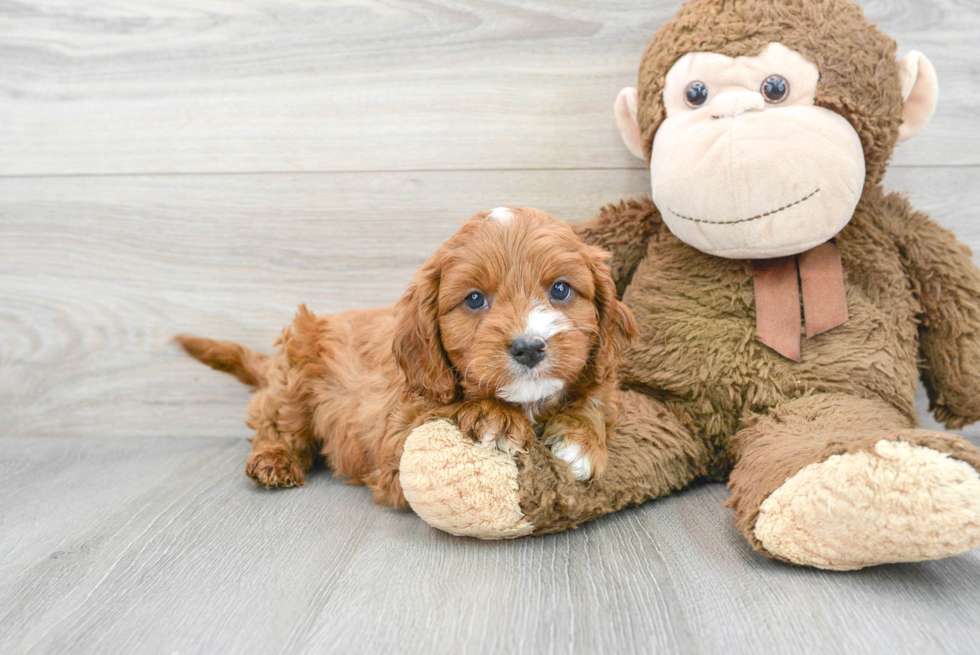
695, 94
475, 300
561, 291
775, 88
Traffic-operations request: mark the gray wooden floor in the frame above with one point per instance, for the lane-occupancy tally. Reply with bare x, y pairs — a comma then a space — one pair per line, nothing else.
171, 166
161, 545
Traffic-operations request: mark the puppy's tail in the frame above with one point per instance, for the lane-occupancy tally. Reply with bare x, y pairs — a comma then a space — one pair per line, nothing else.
229, 357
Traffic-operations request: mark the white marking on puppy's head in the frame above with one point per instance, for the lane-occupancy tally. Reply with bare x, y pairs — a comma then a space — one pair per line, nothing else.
530, 390
501, 214
545, 322
535, 388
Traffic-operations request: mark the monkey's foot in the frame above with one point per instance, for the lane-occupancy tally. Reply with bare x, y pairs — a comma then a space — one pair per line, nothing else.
460, 487
899, 503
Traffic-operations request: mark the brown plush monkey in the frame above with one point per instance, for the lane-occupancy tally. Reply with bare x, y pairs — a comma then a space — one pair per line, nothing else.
767, 125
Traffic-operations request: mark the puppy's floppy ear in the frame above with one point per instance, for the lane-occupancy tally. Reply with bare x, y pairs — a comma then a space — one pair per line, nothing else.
417, 344
617, 326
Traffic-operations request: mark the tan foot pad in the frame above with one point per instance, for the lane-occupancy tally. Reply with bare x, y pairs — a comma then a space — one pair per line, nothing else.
902, 503
460, 487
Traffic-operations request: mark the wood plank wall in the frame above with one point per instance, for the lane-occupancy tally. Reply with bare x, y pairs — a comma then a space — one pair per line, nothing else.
204, 167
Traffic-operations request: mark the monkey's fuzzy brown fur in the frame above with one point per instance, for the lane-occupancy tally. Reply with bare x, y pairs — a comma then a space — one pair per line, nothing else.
859, 84
706, 400
704, 394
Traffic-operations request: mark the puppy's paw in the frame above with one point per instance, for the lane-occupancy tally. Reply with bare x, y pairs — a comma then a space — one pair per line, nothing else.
274, 470
494, 425
571, 440
576, 457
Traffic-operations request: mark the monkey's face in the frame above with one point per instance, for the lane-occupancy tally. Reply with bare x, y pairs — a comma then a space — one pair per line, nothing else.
745, 165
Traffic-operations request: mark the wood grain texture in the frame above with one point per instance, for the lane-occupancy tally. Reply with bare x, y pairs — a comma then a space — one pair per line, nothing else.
162, 545
265, 86
97, 275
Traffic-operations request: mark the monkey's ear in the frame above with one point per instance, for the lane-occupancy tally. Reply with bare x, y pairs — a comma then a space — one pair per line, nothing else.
920, 90
626, 120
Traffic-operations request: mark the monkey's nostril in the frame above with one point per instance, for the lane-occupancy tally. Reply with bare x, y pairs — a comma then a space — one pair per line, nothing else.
528, 351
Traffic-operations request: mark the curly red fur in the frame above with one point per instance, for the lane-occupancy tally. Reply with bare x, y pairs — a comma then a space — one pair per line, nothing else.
352, 386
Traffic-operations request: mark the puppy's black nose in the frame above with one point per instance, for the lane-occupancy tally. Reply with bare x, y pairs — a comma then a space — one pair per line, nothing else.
528, 351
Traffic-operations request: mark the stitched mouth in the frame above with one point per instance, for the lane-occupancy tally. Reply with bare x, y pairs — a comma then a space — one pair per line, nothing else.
751, 218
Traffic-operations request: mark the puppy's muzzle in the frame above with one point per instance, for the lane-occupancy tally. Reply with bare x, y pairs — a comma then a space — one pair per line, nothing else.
528, 351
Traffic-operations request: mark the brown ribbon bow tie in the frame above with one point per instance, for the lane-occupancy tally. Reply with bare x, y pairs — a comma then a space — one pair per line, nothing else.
778, 281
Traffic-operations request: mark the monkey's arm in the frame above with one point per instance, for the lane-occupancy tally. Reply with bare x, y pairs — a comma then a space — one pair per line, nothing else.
947, 284
624, 230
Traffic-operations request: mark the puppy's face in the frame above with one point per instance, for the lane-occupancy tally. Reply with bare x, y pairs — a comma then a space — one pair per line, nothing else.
524, 310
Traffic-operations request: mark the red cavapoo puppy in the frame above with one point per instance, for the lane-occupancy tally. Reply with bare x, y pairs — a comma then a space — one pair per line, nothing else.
511, 329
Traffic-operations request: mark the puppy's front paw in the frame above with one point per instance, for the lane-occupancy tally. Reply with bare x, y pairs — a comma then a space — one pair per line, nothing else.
571, 440
576, 457
493, 424
274, 470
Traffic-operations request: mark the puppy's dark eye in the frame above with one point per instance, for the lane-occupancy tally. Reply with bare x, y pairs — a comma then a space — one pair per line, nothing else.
475, 300
695, 94
561, 291
775, 88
